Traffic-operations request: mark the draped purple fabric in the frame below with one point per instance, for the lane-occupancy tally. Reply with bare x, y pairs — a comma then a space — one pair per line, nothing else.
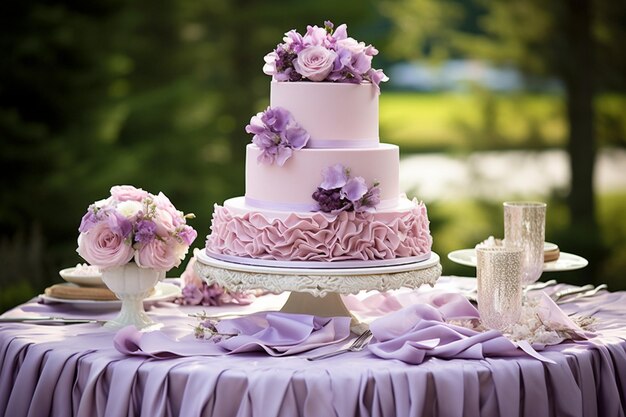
75, 370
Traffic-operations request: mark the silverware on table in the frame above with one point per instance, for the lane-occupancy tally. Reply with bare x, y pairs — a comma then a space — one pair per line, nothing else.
570, 291
49, 320
357, 345
539, 285
587, 293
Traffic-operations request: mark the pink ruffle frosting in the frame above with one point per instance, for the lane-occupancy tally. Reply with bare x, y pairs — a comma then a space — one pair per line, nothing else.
321, 237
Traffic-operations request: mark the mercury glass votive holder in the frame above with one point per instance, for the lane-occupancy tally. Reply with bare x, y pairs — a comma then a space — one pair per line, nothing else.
525, 227
499, 276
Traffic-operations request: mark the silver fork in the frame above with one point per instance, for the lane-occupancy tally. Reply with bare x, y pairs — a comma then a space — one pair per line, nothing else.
578, 295
356, 346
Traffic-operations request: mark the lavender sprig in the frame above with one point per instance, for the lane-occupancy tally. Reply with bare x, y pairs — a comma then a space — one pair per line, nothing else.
207, 329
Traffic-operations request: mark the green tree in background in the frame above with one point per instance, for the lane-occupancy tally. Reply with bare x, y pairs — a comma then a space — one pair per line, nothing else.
572, 40
106, 92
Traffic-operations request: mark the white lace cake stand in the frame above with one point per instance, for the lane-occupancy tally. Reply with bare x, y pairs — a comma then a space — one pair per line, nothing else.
317, 291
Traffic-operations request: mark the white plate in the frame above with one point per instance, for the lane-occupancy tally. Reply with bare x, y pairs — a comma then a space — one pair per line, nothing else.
86, 280
163, 291
207, 260
566, 261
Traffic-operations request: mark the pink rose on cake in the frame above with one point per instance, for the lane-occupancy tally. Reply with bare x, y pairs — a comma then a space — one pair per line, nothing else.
133, 224
323, 54
315, 62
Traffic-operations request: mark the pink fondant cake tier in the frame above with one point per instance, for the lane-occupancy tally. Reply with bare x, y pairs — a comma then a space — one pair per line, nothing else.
290, 187
240, 231
336, 115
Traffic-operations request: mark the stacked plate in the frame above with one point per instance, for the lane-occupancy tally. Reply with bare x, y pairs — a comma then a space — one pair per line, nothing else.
85, 289
555, 260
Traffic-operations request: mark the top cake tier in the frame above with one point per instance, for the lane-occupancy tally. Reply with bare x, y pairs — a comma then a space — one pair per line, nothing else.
335, 115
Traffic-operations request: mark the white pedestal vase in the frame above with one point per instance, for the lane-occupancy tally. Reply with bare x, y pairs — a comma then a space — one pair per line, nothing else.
131, 284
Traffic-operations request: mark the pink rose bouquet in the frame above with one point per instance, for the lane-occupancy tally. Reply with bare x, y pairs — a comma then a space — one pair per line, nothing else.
323, 54
134, 225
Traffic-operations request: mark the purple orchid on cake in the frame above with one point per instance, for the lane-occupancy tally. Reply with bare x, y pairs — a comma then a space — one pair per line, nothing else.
277, 134
323, 54
341, 192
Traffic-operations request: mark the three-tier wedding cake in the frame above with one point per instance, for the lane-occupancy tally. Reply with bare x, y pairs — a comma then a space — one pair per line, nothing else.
320, 187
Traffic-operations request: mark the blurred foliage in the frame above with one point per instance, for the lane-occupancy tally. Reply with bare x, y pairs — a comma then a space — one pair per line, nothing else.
487, 120
531, 34
103, 92
477, 223
577, 42
106, 92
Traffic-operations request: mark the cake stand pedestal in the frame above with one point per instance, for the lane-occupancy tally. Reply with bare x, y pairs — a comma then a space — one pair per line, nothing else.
317, 291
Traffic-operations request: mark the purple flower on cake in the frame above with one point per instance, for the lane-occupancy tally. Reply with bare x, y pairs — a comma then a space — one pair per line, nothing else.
323, 54
134, 224
340, 192
277, 134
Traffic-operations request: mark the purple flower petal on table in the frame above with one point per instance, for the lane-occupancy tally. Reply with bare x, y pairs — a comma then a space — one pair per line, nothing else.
191, 295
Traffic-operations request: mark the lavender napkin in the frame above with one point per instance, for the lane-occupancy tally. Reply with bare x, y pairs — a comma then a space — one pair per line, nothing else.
277, 334
426, 330
281, 334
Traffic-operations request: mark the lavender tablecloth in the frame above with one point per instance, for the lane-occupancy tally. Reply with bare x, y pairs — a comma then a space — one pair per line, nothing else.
75, 370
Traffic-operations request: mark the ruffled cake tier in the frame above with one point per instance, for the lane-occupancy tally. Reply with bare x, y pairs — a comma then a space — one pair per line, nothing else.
240, 231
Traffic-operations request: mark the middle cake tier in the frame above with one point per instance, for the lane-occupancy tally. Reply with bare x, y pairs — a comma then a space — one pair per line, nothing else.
290, 187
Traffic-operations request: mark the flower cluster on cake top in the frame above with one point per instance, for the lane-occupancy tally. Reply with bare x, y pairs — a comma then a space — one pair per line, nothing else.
323, 54
133, 224
277, 134
341, 192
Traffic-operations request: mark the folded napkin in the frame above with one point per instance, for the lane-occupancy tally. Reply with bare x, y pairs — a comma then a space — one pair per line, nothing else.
75, 292
445, 325
281, 334
277, 334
